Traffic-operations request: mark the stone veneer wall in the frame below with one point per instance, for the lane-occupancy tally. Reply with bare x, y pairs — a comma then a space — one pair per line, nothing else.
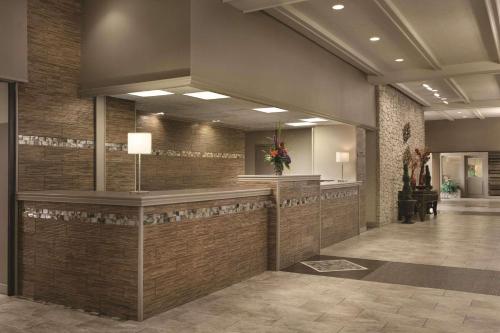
120, 120
340, 214
185, 154
394, 110
70, 255
299, 215
56, 127
361, 175
189, 258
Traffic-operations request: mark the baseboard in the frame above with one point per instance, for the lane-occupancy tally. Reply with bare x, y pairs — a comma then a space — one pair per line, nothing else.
3, 289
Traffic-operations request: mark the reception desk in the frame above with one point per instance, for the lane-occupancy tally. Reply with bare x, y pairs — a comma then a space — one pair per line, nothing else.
136, 255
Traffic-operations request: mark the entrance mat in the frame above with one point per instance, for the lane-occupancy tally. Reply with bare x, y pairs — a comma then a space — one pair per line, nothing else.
336, 265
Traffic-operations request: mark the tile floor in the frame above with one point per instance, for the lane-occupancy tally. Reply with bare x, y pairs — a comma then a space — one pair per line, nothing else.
281, 302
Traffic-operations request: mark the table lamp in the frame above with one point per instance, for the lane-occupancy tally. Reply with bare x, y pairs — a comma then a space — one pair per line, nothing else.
139, 144
342, 157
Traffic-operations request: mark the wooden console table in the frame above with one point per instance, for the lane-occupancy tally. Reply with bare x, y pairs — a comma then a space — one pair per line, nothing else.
426, 199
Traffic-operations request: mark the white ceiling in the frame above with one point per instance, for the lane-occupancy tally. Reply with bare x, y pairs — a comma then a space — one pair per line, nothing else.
451, 45
231, 112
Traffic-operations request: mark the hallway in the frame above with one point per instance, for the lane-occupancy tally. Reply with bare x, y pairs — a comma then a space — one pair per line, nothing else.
297, 303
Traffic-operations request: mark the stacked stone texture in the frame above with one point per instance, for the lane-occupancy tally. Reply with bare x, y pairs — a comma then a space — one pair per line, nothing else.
394, 111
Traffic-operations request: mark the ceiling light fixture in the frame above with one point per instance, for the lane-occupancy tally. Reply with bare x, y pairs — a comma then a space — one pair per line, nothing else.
160, 113
151, 93
436, 94
313, 120
374, 39
459, 112
445, 102
426, 85
206, 95
399, 60
338, 6
270, 110
216, 121
435, 90
429, 88
300, 124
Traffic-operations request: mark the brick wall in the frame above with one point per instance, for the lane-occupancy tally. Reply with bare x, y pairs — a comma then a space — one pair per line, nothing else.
49, 107
339, 215
394, 111
189, 259
84, 265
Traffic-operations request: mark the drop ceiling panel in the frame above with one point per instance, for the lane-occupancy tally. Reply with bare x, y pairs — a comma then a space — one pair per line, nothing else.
443, 89
491, 112
356, 23
456, 31
231, 112
480, 87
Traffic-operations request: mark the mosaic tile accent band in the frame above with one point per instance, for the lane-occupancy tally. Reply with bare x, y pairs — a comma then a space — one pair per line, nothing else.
33, 140
339, 194
179, 153
204, 213
294, 202
80, 216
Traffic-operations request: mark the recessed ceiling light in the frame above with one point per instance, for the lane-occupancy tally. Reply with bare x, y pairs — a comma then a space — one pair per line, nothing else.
300, 124
436, 94
313, 120
445, 102
435, 90
374, 39
207, 95
338, 6
399, 60
270, 110
216, 121
151, 93
444, 98
459, 112
464, 116
429, 88
160, 113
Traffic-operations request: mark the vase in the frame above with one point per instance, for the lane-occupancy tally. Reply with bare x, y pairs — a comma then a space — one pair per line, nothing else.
278, 170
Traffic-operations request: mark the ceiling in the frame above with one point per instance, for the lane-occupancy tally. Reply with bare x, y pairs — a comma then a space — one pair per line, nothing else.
231, 112
453, 46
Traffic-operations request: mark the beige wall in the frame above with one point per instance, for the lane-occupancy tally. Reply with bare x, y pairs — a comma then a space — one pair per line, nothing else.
13, 40
4, 189
297, 141
463, 135
128, 41
327, 141
259, 57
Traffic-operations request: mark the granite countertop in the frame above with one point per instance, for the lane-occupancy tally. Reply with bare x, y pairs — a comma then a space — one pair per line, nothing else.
151, 198
336, 184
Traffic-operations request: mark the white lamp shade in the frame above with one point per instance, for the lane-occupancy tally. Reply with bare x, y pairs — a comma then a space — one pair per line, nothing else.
139, 143
342, 157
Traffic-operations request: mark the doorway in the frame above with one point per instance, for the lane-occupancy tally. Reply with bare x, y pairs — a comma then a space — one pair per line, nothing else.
474, 177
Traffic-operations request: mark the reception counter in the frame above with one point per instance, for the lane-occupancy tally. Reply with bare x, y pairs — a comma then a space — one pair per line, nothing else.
136, 255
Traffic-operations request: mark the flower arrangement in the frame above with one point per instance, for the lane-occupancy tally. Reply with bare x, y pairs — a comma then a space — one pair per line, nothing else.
278, 154
423, 157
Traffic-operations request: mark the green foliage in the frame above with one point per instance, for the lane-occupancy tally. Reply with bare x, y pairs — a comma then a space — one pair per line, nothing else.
449, 186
